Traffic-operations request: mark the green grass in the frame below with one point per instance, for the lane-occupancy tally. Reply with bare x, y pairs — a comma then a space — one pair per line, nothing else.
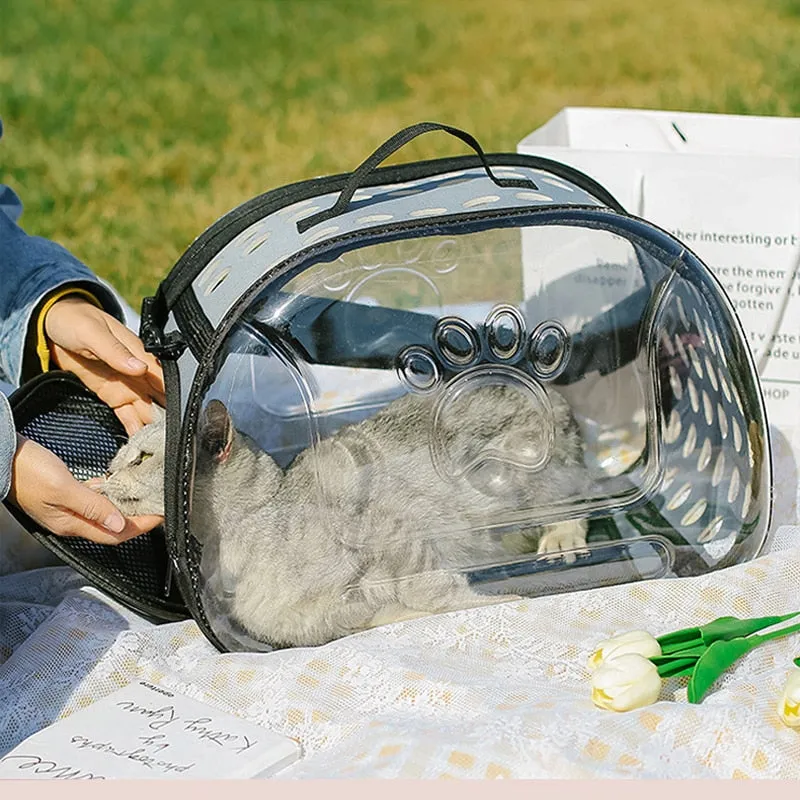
131, 125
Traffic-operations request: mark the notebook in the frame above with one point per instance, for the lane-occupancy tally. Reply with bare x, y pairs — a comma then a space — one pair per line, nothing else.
146, 731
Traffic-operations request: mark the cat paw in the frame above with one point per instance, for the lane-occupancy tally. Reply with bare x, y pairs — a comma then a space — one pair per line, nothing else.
564, 539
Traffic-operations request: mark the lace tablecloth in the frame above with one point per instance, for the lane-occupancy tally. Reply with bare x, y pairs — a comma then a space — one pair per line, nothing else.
493, 692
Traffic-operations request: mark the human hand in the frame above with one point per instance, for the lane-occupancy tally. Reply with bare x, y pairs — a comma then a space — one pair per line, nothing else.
43, 487
107, 357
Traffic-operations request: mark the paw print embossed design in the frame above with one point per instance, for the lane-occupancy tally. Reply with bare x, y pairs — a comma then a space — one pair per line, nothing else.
502, 339
493, 423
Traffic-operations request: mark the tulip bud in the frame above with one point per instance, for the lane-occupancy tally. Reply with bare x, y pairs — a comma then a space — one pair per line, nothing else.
626, 682
789, 704
640, 642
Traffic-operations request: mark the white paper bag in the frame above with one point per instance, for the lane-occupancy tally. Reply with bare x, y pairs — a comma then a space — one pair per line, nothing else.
729, 188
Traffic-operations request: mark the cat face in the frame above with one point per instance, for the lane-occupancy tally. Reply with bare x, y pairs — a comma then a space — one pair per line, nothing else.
135, 478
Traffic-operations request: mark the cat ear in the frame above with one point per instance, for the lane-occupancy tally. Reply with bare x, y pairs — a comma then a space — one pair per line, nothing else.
215, 431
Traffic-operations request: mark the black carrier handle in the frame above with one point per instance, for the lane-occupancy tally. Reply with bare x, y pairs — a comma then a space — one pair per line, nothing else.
359, 175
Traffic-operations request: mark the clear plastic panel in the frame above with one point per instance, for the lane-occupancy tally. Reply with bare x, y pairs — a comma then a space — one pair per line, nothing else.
440, 422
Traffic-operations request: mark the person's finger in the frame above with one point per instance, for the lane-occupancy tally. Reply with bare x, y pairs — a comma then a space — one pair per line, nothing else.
114, 389
130, 418
145, 522
79, 500
74, 526
66, 523
135, 345
157, 389
108, 348
144, 408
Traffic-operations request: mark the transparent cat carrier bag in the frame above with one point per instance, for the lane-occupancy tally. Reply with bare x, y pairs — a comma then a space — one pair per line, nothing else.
415, 389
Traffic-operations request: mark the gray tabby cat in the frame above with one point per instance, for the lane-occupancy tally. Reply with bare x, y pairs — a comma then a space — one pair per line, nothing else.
385, 537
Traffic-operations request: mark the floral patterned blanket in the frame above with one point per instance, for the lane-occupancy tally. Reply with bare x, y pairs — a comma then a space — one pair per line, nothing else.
502, 691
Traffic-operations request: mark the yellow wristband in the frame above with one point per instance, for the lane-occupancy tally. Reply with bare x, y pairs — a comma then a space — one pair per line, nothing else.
42, 347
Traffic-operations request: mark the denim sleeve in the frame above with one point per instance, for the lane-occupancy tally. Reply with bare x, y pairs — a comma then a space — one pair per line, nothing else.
30, 268
8, 445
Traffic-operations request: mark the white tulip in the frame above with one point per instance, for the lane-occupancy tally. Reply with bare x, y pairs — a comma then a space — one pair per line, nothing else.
626, 682
640, 642
789, 704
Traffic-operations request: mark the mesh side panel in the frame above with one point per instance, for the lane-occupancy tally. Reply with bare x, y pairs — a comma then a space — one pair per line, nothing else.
59, 413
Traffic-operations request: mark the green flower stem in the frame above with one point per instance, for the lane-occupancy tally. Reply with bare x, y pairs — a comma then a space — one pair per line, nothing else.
723, 653
696, 651
678, 664
676, 667
722, 629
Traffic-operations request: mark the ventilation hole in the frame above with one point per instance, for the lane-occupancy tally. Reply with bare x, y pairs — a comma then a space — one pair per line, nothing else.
481, 201
694, 398
208, 274
733, 487
669, 478
667, 345
216, 282
704, 459
296, 206
509, 172
711, 372
694, 513
738, 400
682, 313
673, 430
748, 497
719, 470
253, 246
708, 408
737, 434
321, 234
723, 421
726, 390
533, 196
680, 497
751, 460
690, 441
243, 238
558, 184
375, 218
675, 383
680, 350
696, 317
709, 340
695, 359
306, 212
710, 531
428, 212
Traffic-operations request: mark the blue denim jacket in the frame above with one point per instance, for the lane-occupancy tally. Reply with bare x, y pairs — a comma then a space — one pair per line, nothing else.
31, 267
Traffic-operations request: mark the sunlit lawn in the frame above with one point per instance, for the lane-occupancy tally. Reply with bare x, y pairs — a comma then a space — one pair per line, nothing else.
131, 126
